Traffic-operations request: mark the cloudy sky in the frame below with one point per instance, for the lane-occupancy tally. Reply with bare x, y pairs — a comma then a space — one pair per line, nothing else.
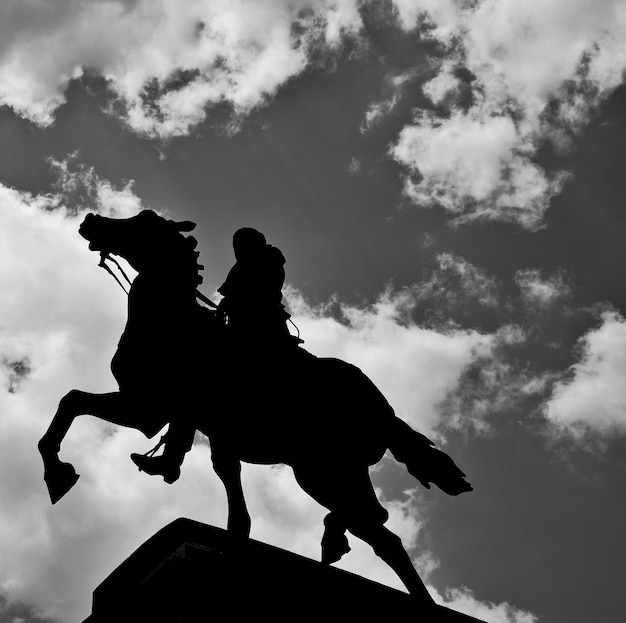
445, 179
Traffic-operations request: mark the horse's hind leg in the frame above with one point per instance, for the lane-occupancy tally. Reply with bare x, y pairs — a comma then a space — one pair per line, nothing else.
228, 469
349, 495
388, 546
60, 477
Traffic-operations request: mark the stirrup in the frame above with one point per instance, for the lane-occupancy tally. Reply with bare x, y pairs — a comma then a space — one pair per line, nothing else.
146, 463
157, 466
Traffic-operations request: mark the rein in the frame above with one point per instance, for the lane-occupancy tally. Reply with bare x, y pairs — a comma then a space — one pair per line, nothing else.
104, 256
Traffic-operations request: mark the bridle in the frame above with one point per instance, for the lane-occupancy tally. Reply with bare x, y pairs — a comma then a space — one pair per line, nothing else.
104, 256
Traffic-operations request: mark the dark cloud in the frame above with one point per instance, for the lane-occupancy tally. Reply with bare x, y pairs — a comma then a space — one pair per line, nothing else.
20, 613
16, 371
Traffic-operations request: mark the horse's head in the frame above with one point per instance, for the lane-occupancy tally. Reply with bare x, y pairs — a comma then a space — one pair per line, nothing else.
146, 241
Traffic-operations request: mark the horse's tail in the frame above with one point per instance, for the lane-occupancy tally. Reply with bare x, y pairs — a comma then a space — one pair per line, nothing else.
424, 461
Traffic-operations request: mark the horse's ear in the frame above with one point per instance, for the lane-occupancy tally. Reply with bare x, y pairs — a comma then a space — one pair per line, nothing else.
184, 225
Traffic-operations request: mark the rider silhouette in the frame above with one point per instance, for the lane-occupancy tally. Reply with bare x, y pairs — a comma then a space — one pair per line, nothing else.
256, 321
253, 292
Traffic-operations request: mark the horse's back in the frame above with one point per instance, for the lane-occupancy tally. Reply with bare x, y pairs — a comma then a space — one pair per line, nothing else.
306, 408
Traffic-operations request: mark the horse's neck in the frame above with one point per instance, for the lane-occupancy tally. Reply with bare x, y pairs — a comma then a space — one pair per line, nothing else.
159, 296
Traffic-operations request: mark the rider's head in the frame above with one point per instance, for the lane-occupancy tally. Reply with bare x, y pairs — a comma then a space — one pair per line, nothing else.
247, 242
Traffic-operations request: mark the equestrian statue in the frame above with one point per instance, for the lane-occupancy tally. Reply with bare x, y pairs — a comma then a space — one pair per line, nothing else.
271, 401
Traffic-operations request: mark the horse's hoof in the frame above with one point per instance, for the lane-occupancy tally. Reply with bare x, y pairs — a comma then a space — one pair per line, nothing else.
59, 480
334, 546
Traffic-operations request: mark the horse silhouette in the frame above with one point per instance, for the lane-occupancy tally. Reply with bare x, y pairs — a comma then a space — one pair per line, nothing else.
321, 416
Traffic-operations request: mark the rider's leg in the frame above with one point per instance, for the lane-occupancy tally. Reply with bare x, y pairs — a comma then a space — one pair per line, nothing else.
177, 442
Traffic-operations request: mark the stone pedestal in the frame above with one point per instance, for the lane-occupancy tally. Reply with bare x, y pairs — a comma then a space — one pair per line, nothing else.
189, 572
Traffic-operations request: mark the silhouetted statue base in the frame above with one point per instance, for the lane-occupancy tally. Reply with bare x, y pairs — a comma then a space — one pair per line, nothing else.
190, 572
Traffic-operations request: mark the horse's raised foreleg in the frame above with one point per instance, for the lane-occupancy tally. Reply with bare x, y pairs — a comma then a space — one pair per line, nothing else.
60, 477
228, 469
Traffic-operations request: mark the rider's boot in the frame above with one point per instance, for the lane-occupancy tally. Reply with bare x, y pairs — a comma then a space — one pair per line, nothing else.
178, 441
162, 465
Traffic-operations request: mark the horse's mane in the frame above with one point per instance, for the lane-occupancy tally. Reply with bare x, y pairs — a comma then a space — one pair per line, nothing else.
181, 256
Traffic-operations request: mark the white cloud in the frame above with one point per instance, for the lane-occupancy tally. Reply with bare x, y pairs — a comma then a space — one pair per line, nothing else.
492, 384
78, 187
476, 166
593, 397
463, 600
539, 293
444, 84
477, 160
455, 282
166, 61
395, 86
355, 166
438, 378
60, 313
415, 368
